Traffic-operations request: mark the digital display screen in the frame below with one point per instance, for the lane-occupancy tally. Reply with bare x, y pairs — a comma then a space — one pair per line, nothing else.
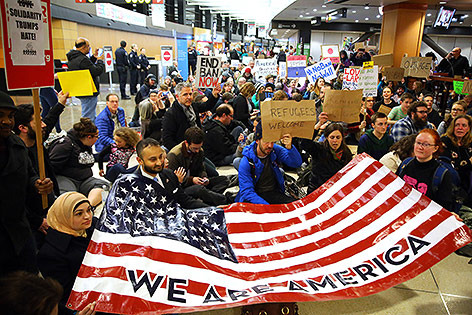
444, 17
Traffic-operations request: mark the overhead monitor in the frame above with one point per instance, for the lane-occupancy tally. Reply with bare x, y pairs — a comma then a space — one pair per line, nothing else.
444, 17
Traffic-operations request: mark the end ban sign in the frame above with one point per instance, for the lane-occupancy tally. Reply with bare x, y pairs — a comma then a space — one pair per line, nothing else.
208, 71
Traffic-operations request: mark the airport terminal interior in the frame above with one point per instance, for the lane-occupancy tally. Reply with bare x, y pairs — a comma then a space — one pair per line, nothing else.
301, 27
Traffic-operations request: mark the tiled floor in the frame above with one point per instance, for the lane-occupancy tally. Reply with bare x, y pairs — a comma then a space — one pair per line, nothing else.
444, 289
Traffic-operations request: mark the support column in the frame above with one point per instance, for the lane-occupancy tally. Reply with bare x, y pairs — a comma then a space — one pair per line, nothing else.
402, 30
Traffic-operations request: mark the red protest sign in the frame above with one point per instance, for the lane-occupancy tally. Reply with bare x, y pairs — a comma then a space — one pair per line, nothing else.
27, 44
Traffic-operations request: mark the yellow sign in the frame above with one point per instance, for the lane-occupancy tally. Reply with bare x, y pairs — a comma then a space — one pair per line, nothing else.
368, 65
77, 83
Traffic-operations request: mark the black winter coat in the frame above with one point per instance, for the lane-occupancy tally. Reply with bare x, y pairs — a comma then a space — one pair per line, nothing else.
218, 141
241, 111
78, 61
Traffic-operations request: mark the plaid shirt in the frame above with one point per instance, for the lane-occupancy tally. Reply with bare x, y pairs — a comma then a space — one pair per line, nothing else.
405, 127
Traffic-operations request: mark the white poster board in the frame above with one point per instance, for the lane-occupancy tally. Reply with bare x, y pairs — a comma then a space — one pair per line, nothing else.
351, 78
265, 67
282, 69
323, 69
368, 81
208, 71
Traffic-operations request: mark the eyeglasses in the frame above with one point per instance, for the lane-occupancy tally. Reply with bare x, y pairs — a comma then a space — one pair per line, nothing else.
422, 111
424, 145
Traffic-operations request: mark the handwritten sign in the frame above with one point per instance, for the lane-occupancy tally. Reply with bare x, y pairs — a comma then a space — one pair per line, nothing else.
384, 109
265, 67
247, 60
282, 69
342, 105
296, 66
351, 78
234, 63
282, 117
208, 71
368, 65
368, 80
458, 87
331, 52
394, 74
385, 60
416, 66
467, 87
323, 69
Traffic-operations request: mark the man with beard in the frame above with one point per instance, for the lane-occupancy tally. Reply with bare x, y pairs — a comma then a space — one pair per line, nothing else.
25, 128
260, 178
19, 183
416, 121
152, 160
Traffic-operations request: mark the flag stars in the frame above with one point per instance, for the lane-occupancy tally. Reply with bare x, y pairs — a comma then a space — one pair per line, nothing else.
215, 226
135, 189
153, 200
163, 199
149, 188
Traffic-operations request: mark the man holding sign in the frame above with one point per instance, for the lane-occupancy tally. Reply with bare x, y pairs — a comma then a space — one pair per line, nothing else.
78, 60
260, 178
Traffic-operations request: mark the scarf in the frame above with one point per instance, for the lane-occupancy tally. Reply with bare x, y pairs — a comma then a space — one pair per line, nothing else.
61, 213
190, 114
337, 155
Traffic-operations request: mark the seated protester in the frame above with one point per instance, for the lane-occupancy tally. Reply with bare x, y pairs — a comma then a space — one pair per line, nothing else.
150, 108
458, 148
329, 156
71, 225
400, 111
280, 95
72, 160
184, 114
110, 118
259, 96
221, 143
416, 121
433, 115
320, 100
399, 151
315, 94
386, 99
228, 86
248, 139
420, 170
143, 93
120, 152
242, 104
338, 85
399, 90
189, 157
458, 108
152, 160
294, 85
260, 178
376, 142
417, 90
367, 111
226, 98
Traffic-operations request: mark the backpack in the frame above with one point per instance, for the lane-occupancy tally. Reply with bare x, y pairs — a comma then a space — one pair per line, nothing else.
443, 167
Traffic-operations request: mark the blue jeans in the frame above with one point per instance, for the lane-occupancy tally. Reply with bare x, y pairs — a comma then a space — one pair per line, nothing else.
89, 106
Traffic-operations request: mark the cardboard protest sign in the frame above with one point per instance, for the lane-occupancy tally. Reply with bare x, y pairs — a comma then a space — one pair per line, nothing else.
77, 83
282, 117
331, 52
358, 45
458, 86
351, 78
296, 66
394, 74
323, 69
368, 80
467, 87
208, 71
416, 66
385, 60
282, 69
342, 105
384, 109
265, 67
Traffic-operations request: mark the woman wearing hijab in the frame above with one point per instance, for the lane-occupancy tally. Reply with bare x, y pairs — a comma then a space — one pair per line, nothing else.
70, 229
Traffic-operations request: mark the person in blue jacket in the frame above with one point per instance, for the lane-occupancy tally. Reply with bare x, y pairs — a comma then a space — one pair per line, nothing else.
110, 118
260, 178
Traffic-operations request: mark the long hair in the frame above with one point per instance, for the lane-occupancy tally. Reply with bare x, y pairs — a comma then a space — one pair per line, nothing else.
130, 136
347, 154
467, 139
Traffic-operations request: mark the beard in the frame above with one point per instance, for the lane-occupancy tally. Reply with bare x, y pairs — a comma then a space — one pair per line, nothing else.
420, 123
31, 134
151, 170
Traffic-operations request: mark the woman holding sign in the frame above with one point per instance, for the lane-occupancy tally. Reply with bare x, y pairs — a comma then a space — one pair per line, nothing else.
387, 99
329, 156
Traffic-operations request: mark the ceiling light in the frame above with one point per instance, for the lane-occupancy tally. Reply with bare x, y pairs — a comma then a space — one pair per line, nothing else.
378, 16
381, 10
461, 22
314, 10
354, 11
301, 15
366, 19
466, 16
430, 21
442, 2
367, 7
357, 21
429, 14
323, 5
307, 13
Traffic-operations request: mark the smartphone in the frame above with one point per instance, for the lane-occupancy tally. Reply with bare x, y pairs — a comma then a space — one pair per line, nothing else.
100, 52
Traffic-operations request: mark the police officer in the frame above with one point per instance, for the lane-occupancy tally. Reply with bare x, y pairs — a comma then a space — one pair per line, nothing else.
133, 69
144, 65
122, 64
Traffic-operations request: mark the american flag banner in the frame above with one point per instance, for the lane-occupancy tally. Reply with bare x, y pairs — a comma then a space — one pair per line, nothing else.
362, 232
